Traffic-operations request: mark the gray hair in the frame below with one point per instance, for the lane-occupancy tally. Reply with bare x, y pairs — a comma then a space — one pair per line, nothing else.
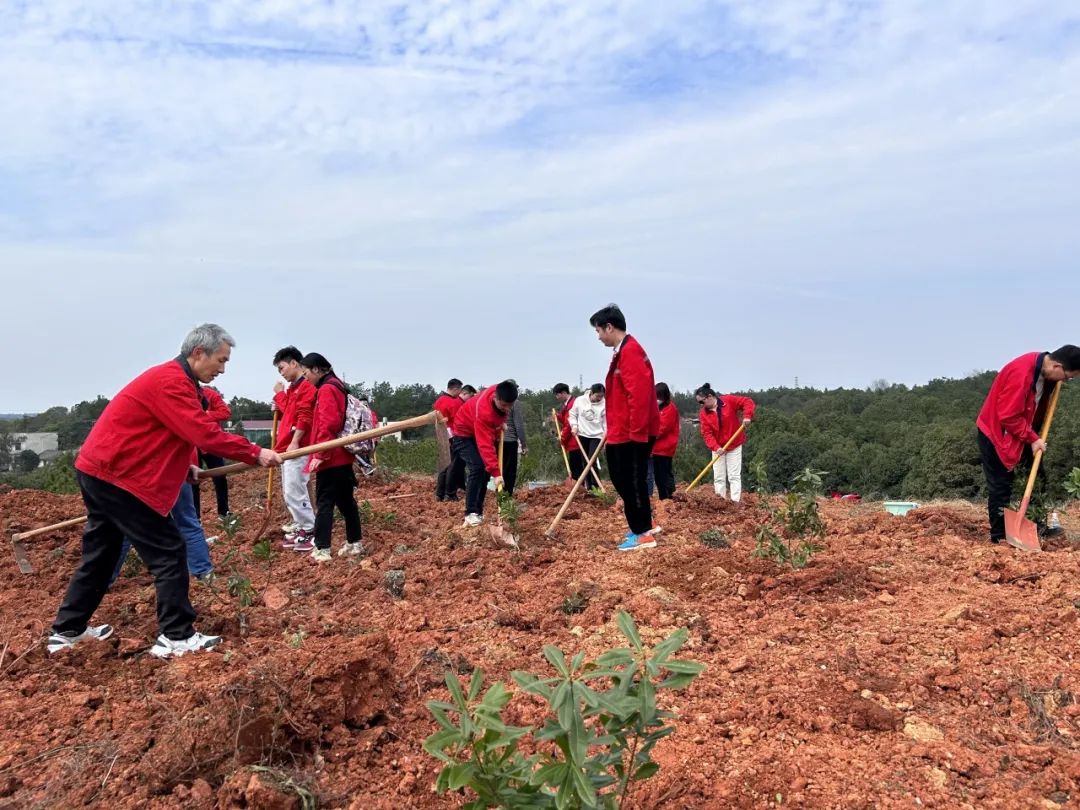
209, 337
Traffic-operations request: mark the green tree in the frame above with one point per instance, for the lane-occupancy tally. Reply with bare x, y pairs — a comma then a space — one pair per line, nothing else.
27, 460
948, 463
6, 443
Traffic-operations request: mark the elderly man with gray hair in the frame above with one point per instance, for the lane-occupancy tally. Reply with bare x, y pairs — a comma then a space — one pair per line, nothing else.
138, 455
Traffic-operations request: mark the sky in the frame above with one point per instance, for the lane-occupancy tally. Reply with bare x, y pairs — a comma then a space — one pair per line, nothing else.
834, 191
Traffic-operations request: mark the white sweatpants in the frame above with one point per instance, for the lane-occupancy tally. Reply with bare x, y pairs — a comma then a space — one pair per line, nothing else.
727, 474
294, 485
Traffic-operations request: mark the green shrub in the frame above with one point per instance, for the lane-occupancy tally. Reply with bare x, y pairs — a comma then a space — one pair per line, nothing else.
510, 511
606, 497
788, 535
597, 739
714, 538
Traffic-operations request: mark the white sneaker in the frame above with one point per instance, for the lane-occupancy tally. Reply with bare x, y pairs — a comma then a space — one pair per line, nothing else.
322, 555
168, 648
472, 520
65, 641
351, 549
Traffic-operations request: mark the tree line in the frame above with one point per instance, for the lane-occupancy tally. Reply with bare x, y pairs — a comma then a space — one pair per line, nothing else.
886, 441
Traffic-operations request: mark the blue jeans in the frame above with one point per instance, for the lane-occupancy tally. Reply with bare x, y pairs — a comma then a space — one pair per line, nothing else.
187, 521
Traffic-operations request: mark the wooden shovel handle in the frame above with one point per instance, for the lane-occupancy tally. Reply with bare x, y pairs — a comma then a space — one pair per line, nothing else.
374, 433
229, 469
1037, 460
577, 484
270, 472
708, 466
565, 457
502, 445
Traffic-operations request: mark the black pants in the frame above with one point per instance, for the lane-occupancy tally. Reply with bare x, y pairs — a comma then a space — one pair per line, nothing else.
221, 485
510, 466
592, 480
999, 483
113, 514
334, 488
577, 467
664, 474
451, 478
476, 474
628, 467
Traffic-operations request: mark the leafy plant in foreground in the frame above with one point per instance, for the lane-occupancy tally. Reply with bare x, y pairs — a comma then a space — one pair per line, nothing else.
597, 739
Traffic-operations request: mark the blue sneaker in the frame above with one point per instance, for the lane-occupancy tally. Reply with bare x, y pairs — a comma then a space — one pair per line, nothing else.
636, 541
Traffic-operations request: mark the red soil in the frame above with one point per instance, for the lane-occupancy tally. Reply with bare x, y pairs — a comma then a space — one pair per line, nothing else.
910, 664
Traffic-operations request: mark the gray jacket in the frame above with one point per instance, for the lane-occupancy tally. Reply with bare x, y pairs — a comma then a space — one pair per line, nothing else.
515, 426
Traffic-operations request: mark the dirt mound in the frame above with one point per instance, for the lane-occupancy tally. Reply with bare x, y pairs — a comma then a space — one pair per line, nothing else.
910, 660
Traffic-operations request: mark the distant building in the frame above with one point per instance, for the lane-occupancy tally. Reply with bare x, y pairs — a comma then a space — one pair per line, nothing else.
46, 445
255, 430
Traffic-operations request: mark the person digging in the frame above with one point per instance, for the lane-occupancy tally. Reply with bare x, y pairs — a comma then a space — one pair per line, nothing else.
1009, 421
130, 470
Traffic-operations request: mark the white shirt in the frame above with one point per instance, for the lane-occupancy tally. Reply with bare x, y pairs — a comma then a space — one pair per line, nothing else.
588, 418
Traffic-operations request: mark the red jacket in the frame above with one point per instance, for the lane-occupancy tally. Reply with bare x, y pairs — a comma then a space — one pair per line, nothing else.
566, 438
1008, 413
216, 408
720, 425
327, 422
448, 406
480, 420
667, 442
296, 404
144, 439
632, 412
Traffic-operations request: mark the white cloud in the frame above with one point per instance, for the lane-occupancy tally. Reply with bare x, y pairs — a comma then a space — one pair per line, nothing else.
777, 147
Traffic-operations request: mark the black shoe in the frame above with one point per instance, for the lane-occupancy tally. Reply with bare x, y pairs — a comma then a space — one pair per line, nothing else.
996, 540
1045, 531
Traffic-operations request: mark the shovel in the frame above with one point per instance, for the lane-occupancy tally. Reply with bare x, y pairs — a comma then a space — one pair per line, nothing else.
498, 532
712, 461
1020, 532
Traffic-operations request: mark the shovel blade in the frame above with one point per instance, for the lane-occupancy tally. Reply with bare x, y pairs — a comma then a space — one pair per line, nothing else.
21, 557
501, 535
1020, 532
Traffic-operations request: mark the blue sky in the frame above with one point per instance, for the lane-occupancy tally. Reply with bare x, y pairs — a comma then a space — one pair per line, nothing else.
829, 190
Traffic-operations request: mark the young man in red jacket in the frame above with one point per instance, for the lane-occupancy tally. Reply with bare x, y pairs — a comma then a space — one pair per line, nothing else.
477, 429
448, 481
296, 406
633, 423
219, 411
1010, 420
130, 471
334, 476
719, 420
